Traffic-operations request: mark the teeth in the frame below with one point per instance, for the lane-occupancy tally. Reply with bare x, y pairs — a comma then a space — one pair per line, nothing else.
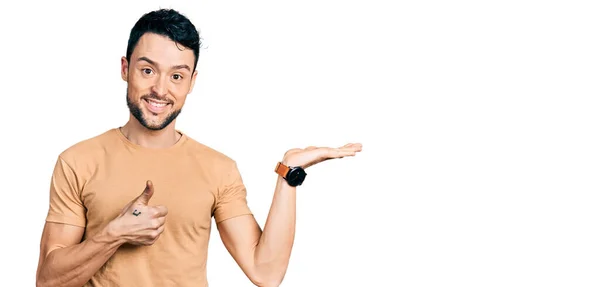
158, 105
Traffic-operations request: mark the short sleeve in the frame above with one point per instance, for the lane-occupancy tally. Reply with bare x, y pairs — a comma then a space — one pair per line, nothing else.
231, 199
65, 203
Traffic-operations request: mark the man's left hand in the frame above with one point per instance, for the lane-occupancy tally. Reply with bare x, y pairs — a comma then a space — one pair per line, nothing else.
313, 155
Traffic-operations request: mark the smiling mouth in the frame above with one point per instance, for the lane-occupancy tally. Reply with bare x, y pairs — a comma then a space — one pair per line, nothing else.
155, 106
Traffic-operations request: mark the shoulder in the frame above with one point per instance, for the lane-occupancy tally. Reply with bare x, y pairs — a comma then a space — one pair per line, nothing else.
208, 154
88, 148
214, 162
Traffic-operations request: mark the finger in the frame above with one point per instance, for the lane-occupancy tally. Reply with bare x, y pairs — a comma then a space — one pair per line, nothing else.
325, 153
341, 152
158, 222
310, 148
160, 211
153, 235
144, 198
352, 148
356, 146
157, 232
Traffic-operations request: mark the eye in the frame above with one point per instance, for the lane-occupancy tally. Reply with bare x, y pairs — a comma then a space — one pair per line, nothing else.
147, 71
177, 77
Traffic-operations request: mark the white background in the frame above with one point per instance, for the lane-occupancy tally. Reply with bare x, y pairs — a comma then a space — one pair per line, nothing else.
479, 120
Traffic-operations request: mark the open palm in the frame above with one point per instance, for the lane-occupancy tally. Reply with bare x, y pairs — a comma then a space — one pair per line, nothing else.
312, 155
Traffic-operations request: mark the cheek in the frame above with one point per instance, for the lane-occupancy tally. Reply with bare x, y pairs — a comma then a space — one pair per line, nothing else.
139, 82
179, 99
179, 92
138, 87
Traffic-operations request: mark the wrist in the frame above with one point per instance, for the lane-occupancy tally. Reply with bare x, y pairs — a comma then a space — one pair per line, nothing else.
285, 161
289, 172
284, 185
112, 234
290, 162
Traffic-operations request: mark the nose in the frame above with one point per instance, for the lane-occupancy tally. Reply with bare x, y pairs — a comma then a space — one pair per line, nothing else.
160, 86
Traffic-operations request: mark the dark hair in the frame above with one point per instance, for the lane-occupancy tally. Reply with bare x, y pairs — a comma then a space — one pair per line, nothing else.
169, 23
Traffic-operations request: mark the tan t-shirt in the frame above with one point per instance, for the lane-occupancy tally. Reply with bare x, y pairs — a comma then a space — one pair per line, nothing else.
95, 178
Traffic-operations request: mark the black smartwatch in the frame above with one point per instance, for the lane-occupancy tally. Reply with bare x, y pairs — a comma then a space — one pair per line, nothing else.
293, 175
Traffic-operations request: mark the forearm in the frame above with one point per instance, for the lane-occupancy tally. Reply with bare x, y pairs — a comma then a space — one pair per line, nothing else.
76, 264
274, 248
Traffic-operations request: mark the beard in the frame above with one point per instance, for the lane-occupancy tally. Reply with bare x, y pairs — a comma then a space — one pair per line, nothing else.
136, 111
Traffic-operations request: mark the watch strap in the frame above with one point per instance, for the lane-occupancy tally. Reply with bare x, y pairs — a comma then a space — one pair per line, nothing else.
282, 169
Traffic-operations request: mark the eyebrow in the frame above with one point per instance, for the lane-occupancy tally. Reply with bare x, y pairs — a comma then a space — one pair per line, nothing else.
177, 67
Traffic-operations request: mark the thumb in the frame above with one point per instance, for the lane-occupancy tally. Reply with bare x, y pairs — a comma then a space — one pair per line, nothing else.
144, 198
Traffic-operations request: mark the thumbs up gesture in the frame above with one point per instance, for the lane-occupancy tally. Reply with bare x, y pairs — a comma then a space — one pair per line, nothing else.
139, 223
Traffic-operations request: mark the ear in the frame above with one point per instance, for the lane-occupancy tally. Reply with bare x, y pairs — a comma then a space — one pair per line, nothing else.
193, 81
124, 69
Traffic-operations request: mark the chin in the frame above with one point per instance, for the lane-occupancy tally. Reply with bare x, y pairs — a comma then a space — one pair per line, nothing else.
156, 122
152, 116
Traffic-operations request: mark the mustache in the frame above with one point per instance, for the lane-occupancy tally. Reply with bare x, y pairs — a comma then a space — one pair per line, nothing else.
154, 96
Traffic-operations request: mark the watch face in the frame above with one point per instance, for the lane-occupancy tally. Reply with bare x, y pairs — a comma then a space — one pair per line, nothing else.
296, 176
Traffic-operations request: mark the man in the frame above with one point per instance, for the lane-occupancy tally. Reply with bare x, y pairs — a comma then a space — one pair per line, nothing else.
133, 206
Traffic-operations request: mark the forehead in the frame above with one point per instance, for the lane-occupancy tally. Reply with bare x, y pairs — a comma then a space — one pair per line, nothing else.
162, 50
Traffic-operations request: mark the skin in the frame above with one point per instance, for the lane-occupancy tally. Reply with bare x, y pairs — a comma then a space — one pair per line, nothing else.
158, 71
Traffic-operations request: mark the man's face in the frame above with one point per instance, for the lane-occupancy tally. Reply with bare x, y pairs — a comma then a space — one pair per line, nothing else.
159, 77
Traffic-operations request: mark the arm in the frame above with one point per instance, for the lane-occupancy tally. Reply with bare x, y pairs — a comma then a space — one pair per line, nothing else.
66, 261
264, 255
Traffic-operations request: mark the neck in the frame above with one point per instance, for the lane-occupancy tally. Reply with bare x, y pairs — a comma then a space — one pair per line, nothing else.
142, 136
